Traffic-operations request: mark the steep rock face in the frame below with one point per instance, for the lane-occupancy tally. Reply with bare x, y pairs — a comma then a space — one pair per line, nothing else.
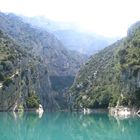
43, 44
110, 77
62, 65
20, 75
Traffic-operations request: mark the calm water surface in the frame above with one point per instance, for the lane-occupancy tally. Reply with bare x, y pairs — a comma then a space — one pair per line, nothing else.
67, 126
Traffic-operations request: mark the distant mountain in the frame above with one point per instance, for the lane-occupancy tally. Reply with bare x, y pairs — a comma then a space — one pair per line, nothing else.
49, 25
111, 77
62, 65
85, 43
71, 36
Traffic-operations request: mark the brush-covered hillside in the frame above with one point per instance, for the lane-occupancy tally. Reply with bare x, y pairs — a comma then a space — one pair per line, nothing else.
21, 75
62, 65
111, 77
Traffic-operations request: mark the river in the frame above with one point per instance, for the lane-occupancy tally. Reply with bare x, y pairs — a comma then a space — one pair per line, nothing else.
67, 126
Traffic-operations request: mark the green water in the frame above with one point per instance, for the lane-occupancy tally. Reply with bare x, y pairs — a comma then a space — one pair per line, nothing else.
67, 126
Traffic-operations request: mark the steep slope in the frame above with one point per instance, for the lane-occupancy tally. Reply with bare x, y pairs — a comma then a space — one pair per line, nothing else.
71, 36
62, 65
111, 77
40, 42
21, 76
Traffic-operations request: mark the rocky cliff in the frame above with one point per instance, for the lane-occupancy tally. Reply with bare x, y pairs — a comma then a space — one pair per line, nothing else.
21, 74
111, 77
62, 65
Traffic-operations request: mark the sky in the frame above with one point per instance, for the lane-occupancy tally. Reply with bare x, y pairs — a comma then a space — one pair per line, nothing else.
110, 18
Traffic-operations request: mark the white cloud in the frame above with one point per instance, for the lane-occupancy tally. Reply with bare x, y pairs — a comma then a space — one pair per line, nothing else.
106, 17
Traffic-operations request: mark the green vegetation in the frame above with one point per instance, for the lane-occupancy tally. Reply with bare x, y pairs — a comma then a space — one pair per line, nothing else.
1, 77
7, 81
40, 55
20, 108
32, 101
110, 77
17, 73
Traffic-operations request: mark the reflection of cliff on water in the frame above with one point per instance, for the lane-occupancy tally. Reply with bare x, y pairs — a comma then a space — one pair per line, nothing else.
19, 126
76, 126
97, 126
68, 126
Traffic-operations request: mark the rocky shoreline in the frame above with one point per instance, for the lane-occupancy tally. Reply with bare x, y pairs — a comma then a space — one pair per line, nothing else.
122, 111
119, 111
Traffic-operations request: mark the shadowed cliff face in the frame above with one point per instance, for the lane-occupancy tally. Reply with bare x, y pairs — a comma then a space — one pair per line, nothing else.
54, 63
22, 74
112, 76
19, 74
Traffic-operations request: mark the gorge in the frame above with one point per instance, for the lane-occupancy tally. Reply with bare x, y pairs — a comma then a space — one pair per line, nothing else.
35, 67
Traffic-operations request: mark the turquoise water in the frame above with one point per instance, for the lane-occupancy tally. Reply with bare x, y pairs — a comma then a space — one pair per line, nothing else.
67, 126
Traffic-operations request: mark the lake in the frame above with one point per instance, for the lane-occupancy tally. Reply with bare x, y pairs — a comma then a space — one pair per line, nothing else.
67, 126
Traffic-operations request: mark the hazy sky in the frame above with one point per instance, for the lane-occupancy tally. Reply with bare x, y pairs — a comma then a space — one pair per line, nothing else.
105, 17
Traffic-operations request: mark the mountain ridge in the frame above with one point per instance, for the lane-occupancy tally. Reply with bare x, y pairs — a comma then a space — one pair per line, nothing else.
72, 36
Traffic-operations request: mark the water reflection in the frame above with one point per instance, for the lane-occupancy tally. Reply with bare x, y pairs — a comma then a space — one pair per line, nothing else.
40, 114
67, 126
17, 115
